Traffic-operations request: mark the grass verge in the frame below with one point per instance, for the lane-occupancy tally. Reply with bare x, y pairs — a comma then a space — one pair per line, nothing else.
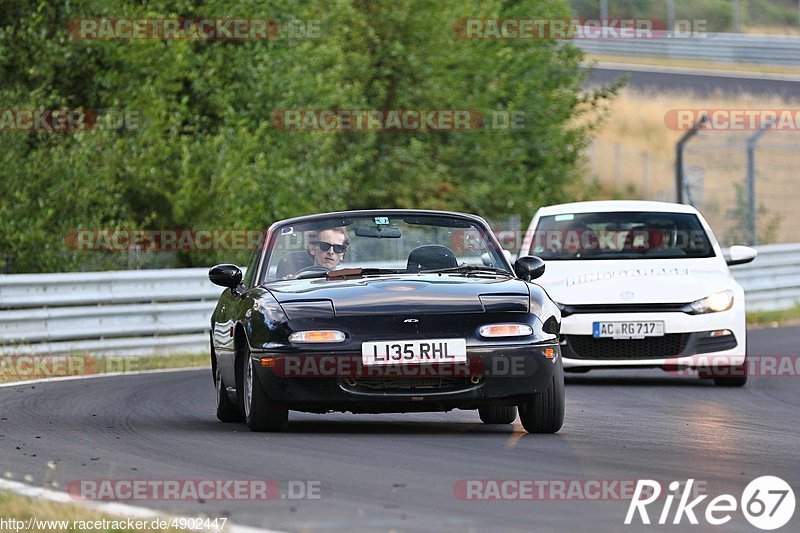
694, 64
23, 367
780, 317
31, 514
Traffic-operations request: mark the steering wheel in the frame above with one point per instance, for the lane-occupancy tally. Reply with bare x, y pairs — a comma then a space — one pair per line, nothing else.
312, 268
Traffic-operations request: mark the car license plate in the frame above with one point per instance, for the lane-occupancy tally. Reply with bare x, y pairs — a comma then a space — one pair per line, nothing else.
627, 330
414, 352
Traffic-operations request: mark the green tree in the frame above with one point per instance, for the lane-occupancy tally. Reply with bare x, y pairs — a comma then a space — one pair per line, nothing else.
205, 154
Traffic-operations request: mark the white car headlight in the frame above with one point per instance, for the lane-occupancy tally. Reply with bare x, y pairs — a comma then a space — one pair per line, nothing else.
714, 303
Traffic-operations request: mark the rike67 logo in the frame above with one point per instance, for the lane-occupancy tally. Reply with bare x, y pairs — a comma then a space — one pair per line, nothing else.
767, 503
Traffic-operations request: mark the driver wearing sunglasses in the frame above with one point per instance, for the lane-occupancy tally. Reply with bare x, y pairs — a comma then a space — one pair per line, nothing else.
328, 247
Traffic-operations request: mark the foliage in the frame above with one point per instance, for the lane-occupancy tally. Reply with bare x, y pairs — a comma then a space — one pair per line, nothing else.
204, 153
767, 224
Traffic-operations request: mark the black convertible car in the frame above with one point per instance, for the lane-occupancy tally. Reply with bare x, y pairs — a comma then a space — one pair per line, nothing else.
385, 311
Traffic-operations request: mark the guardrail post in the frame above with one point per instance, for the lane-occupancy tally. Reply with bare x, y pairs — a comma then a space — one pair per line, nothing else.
671, 16
679, 156
752, 214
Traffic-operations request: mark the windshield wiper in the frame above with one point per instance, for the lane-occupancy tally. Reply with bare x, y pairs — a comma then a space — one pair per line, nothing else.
469, 269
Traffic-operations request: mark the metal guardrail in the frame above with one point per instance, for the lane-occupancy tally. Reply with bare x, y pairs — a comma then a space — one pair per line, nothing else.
715, 47
139, 312
148, 312
772, 281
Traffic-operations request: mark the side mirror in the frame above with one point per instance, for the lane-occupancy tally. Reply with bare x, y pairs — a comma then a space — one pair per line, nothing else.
225, 276
529, 267
739, 255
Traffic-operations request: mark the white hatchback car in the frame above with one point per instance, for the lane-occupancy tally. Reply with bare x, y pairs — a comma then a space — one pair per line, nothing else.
642, 284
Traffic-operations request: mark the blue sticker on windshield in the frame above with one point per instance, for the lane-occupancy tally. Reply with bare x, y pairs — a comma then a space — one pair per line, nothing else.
381, 221
287, 231
559, 218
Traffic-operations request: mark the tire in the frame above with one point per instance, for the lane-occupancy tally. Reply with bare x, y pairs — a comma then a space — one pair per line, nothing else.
736, 376
498, 414
544, 412
260, 412
227, 411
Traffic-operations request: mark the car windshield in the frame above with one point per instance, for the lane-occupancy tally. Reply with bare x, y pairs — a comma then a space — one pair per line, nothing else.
620, 235
397, 244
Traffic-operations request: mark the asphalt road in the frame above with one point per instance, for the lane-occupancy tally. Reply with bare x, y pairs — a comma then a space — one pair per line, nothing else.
397, 472
701, 83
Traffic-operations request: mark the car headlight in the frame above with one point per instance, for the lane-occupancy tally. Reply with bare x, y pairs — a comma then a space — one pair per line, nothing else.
506, 330
714, 303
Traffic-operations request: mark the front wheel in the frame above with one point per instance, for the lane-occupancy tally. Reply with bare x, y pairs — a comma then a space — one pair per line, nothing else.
260, 412
544, 412
498, 414
227, 411
734, 376
726, 376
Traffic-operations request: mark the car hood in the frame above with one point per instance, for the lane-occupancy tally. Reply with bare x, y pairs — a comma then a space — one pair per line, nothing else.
624, 282
424, 293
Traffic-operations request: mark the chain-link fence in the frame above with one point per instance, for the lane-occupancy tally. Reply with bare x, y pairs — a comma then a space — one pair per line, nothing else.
715, 169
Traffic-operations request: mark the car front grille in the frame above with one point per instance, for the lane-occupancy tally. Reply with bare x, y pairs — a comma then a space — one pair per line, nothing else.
406, 384
567, 310
588, 347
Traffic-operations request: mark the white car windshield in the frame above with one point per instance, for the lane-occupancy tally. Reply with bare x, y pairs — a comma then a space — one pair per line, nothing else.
620, 235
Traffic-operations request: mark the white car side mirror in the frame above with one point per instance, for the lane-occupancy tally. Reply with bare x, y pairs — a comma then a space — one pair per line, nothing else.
739, 255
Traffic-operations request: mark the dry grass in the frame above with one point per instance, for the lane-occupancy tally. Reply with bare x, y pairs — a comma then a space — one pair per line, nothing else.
636, 118
13, 506
634, 136
772, 30
695, 64
12, 369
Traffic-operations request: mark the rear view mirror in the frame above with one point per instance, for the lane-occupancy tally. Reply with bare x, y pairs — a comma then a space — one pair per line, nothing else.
378, 232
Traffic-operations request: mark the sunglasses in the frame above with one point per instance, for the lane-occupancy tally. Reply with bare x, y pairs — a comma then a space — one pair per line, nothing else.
325, 246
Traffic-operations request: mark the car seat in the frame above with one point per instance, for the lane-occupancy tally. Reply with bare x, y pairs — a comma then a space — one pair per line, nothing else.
431, 257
